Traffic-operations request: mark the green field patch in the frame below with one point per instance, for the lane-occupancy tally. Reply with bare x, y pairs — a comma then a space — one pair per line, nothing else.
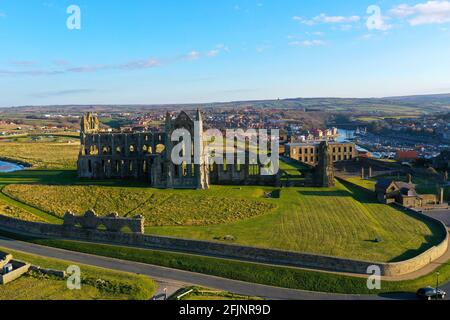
61, 154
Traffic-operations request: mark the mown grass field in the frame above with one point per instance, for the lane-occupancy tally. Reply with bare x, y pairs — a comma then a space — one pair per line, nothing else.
338, 221
97, 283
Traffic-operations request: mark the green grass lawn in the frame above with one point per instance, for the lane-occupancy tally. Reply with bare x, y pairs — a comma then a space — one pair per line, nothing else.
96, 283
199, 294
339, 221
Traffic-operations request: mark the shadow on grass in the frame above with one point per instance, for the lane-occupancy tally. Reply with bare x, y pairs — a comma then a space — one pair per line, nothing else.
431, 241
62, 177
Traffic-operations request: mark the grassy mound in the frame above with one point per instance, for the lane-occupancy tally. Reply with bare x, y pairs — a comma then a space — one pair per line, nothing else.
341, 221
160, 207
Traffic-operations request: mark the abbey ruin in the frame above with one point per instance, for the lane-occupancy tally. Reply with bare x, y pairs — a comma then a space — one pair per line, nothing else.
146, 156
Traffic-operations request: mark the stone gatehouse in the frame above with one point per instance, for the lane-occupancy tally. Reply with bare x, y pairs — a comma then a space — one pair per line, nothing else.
146, 156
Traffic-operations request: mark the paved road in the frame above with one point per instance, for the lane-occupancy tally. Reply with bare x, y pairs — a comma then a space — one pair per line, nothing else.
440, 214
175, 279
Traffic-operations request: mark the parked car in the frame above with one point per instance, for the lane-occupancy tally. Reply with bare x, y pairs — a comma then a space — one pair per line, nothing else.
430, 293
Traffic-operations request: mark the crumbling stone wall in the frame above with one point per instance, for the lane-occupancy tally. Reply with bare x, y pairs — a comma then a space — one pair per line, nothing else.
112, 222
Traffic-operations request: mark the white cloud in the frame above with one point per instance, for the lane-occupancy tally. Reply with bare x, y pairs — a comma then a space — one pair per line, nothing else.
307, 43
431, 12
303, 20
213, 53
324, 18
193, 55
315, 33
218, 49
336, 19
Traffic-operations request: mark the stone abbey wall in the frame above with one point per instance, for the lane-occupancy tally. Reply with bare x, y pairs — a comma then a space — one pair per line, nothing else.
216, 249
112, 222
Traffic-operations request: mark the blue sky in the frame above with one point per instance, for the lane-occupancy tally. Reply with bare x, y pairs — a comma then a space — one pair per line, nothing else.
173, 51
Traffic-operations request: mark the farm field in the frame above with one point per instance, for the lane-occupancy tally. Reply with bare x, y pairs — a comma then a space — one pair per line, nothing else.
96, 283
59, 154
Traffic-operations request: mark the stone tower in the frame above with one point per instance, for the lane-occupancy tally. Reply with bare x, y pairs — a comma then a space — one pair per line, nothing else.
200, 163
324, 175
168, 164
89, 124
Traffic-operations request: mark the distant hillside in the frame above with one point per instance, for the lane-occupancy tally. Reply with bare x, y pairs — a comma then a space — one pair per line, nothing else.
414, 104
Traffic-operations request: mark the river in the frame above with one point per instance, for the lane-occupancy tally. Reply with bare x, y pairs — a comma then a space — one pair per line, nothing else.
10, 167
349, 135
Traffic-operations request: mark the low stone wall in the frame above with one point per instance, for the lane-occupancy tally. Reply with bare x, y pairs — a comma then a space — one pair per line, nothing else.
49, 272
224, 250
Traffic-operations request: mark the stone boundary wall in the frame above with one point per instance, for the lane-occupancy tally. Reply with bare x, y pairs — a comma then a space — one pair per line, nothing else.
223, 250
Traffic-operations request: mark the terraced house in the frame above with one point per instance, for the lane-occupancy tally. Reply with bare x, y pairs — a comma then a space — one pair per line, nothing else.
309, 152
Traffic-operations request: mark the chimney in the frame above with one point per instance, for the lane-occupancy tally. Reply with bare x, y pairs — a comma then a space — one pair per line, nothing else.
409, 178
